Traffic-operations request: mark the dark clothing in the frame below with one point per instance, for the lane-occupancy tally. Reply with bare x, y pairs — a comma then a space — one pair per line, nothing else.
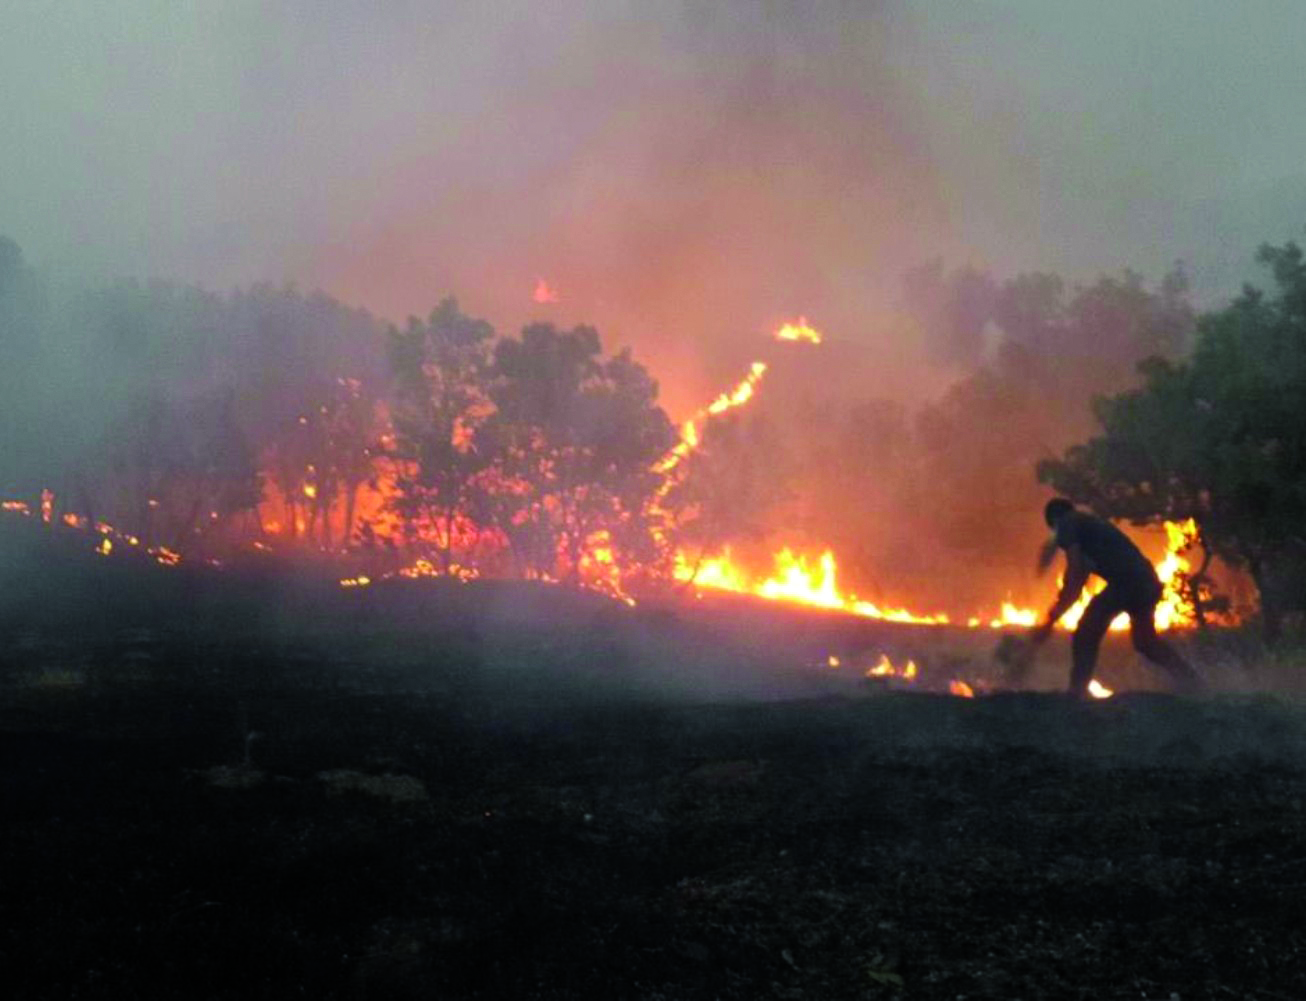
1110, 553
1132, 588
1139, 603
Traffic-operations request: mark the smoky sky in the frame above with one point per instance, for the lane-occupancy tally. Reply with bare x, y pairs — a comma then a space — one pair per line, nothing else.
684, 175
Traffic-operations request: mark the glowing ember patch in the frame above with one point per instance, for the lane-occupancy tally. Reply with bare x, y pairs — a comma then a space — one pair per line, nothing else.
17, 507
1099, 690
165, 556
310, 491
884, 668
105, 547
798, 331
544, 293
833, 661
362, 580
961, 689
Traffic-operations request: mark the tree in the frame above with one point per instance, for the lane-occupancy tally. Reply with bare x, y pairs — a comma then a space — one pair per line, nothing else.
575, 437
729, 486
172, 471
977, 443
1220, 438
953, 309
440, 400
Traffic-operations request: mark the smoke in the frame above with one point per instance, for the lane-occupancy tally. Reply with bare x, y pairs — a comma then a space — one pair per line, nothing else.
683, 176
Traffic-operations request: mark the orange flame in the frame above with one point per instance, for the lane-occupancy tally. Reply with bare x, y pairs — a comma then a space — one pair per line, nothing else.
799, 331
795, 580
689, 434
884, 668
544, 293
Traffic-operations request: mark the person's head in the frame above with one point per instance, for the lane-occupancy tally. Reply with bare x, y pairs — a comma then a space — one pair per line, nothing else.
1056, 509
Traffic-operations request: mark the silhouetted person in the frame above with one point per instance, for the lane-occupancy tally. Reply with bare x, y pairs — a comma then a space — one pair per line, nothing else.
1095, 546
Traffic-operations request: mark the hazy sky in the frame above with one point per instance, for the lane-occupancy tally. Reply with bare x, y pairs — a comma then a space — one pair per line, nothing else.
683, 174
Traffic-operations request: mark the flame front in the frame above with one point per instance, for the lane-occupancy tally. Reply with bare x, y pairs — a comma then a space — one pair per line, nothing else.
797, 579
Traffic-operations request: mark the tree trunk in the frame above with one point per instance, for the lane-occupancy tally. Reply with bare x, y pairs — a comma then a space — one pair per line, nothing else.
326, 524
1195, 582
446, 546
351, 501
1271, 614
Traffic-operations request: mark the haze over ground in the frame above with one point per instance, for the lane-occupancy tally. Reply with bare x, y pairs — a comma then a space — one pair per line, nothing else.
682, 174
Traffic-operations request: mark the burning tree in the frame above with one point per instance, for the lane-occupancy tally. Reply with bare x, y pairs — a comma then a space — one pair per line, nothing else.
321, 457
1217, 438
574, 438
539, 444
728, 487
440, 401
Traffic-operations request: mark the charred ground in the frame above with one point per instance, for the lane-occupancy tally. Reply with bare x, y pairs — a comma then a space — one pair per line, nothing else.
509, 792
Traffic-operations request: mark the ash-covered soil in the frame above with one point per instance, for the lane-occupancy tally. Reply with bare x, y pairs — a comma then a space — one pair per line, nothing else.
203, 805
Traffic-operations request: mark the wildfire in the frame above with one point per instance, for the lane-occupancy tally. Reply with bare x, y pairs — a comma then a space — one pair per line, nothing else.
689, 433
798, 331
961, 689
796, 579
802, 578
884, 668
807, 580
1172, 611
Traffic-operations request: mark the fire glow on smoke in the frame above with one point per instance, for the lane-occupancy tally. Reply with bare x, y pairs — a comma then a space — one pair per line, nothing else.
800, 578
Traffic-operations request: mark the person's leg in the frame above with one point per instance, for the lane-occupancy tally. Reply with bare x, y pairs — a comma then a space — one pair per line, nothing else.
1088, 638
1142, 630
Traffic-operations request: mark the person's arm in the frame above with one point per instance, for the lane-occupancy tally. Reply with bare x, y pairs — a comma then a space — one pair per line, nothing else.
1076, 577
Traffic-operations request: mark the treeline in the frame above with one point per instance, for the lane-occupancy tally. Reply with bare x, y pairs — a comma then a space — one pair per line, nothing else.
206, 422
1219, 437
203, 422
929, 497
171, 411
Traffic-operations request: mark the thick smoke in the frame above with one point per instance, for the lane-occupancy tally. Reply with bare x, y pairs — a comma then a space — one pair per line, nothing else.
684, 176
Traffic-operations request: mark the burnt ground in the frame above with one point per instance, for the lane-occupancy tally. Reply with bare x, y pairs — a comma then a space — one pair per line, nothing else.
200, 800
